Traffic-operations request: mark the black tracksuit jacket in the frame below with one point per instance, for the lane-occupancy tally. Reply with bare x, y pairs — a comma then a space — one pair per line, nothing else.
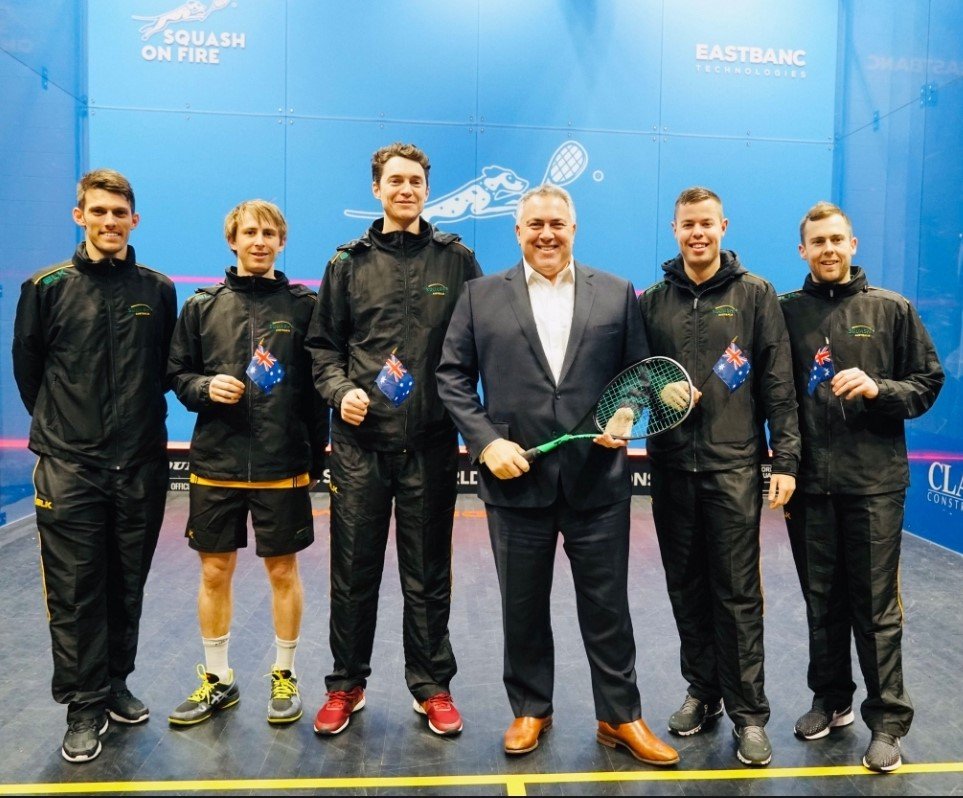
264, 436
859, 446
90, 350
385, 293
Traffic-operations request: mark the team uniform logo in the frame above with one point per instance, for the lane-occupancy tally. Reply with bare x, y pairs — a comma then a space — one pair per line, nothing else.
861, 331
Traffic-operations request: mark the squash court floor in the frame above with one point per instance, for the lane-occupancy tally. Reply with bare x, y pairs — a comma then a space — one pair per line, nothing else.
388, 750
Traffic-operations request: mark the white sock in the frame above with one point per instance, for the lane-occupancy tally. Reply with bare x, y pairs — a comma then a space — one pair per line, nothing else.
284, 659
215, 657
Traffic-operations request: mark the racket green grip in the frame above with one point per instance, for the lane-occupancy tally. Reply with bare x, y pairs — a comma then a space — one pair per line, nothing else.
545, 448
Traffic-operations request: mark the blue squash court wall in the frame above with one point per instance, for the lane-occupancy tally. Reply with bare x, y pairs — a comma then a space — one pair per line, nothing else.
625, 102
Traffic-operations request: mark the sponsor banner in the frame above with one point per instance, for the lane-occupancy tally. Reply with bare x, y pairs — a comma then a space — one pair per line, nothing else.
934, 501
467, 474
752, 72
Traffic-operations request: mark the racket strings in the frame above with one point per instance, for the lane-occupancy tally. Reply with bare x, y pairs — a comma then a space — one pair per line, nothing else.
642, 390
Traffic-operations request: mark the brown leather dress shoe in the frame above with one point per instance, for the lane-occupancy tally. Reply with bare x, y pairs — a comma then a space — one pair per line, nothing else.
522, 736
639, 741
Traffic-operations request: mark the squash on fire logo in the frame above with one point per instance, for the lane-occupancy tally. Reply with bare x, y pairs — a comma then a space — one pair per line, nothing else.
187, 45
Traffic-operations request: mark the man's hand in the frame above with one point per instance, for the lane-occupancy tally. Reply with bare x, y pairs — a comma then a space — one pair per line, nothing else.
354, 406
606, 440
225, 389
854, 382
781, 488
676, 395
504, 459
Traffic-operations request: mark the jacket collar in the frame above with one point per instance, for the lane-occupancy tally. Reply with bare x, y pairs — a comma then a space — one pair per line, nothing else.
857, 282
83, 262
729, 268
254, 284
399, 242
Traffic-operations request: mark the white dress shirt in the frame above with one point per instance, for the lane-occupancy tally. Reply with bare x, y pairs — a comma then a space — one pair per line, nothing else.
553, 305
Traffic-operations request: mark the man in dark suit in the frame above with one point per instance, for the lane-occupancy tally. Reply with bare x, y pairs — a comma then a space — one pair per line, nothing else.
544, 338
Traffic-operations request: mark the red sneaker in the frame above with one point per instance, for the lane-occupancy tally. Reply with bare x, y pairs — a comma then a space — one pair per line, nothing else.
335, 715
443, 717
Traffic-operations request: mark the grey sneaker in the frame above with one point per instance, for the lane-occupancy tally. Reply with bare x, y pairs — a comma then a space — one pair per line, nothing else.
212, 696
883, 753
754, 747
285, 703
817, 723
124, 707
693, 716
82, 740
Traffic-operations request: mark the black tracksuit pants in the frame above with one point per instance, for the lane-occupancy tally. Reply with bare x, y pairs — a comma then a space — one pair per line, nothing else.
98, 530
708, 529
847, 549
422, 485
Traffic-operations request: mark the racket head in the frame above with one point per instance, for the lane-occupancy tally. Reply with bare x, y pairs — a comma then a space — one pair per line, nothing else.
659, 393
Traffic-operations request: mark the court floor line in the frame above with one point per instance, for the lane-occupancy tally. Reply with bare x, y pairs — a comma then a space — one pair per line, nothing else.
514, 784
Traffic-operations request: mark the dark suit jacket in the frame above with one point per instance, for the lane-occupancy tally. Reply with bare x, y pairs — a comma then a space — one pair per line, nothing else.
492, 337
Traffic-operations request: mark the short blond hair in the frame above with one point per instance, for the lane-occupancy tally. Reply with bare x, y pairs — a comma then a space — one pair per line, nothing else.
262, 210
822, 210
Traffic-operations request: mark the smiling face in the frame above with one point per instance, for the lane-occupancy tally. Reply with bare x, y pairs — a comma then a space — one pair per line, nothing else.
402, 189
107, 219
546, 232
828, 247
698, 228
257, 243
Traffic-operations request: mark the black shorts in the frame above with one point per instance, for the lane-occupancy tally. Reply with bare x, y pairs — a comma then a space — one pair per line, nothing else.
282, 519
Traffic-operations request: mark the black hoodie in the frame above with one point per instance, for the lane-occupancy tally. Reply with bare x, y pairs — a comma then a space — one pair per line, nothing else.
694, 324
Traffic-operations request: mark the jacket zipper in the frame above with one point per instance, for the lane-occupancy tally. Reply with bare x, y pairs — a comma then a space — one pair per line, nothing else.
250, 394
111, 355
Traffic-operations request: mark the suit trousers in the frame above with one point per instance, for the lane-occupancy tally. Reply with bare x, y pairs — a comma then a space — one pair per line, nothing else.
708, 529
847, 550
597, 544
422, 486
98, 529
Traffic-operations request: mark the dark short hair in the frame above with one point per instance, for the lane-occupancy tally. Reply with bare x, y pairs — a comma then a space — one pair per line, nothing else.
696, 194
108, 180
822, 210
409, 151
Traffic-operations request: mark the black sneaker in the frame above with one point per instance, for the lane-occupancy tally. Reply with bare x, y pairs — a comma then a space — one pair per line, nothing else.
817, 723
124, 707
883, 753
754, 748
693, 716
212, 696
82, 740
285, 703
